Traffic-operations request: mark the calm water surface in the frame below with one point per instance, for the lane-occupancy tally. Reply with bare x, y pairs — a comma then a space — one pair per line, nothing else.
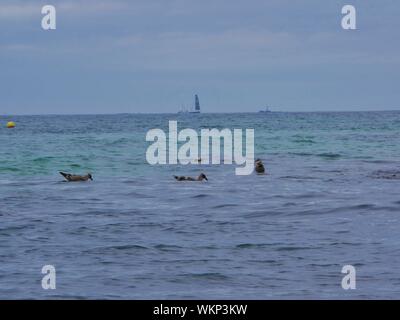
331, 198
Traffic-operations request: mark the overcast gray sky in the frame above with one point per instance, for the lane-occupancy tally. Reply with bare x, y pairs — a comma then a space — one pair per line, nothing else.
238, 55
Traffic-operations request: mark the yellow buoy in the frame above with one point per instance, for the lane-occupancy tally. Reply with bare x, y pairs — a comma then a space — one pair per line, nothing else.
10, 124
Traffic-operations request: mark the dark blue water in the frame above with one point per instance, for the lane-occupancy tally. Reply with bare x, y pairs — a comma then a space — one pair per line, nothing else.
331, 198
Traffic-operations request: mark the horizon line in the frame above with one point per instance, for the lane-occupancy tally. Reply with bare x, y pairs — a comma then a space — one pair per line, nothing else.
155, 113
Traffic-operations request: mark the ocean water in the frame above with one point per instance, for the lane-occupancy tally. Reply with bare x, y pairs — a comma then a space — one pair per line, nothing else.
330, 198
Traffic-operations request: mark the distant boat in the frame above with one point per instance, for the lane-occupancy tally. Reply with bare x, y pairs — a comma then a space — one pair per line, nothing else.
196, 106
267, 110
183, 110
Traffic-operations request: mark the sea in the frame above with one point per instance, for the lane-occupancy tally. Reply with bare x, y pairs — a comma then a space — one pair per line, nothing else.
330, 199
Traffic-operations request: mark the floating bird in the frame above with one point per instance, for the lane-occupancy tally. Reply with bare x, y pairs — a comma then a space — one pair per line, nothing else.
259, 166
201, 177
75, 178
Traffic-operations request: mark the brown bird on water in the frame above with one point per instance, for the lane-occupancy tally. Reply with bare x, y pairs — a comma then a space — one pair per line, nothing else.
259, 166
76, 178
201, 177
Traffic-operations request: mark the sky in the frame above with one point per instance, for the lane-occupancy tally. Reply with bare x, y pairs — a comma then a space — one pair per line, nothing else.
145, 56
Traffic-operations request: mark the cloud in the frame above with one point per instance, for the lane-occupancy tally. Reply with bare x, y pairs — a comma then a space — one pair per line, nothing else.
255, 49
243, 49
32, 9
13, 11
18, 47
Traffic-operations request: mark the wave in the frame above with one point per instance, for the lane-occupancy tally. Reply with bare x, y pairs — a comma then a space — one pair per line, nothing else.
115, 248
379, 161
303, 154
42, 159
200, 196
386, 174
9, 169
324, 155
329, 155
253, 245
295, 248
299, 177
167, 247
224, 206
346, 244
304, 141
206, 275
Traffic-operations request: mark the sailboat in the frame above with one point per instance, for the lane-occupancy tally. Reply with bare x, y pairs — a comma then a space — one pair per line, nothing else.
267, 110
196, 106
183, 110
